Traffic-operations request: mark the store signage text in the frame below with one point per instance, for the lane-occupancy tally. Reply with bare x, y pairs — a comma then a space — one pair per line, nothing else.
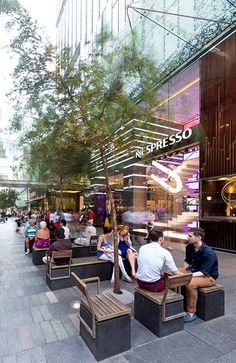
161, 144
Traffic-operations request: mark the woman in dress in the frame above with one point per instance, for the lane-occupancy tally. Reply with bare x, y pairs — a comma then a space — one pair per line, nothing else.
126, 249
42, 236
105, 252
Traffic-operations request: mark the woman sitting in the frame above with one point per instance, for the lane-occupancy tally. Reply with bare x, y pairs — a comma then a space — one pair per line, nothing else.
42, 236
106, 252
126, 249
61, 244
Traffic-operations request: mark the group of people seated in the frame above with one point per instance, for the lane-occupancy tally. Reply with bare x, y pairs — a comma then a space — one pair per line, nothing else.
151, 260
40, 236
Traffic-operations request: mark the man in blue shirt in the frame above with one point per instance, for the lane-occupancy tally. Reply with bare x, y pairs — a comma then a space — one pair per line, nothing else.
30, 233
202, 261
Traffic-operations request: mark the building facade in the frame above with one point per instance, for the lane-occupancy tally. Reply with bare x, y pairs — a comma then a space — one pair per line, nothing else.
182, 167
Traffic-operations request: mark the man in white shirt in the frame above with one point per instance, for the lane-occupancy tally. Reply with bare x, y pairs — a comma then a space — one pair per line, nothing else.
151, 260
66, 229
90, 230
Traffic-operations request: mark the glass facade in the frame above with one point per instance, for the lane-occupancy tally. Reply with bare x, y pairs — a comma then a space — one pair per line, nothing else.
171, 31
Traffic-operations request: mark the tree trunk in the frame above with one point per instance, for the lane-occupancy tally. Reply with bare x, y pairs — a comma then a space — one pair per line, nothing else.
114, 222
61, 193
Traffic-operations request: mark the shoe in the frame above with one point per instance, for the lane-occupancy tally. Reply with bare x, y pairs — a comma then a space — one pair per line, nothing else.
188, 318
27, 252
126, 278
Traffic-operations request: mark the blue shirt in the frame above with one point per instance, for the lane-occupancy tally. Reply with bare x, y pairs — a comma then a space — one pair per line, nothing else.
204, 260
31, 231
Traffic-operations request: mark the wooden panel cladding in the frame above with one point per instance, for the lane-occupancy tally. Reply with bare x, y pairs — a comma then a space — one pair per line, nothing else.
218, 110
220, 234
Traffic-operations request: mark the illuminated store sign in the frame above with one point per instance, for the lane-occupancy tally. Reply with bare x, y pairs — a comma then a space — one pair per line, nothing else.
170, 174
162, 144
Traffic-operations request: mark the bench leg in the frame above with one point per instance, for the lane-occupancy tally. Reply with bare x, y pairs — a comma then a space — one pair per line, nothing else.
112, 336
149, 314
210, 305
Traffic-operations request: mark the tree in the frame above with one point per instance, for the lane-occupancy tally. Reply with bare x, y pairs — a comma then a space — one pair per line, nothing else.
89, 100
8, 198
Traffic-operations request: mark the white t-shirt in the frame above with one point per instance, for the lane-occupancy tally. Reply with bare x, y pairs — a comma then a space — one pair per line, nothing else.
67, 231
89, 232
151, 260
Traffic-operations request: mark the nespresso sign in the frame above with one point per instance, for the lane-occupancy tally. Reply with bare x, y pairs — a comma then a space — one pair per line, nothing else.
162, 144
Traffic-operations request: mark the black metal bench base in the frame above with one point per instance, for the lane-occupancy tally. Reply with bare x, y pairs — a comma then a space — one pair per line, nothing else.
112, 336
102, 270
149, 314
210, 305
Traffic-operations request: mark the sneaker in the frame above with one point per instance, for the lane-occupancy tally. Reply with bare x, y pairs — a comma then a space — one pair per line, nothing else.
27, 252
188, 318
127, 278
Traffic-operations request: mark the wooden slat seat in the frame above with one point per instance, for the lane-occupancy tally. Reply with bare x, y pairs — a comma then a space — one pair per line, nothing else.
58, 255
157, 297
81, 261
106, 307
101, 307
168, 295
209, 289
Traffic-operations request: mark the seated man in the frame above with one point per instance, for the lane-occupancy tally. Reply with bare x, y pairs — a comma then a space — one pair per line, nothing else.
61, 244
202, 261
151, 260
30, 233
90, 230
66, 229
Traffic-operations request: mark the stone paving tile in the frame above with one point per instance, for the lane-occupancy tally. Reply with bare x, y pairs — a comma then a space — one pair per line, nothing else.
37, 334
16, 319
25, 337
45, 312
59, 309
48, 331
225, 326
59, 329
226, 358
213, 338
51, 297
13, 341
9, 359
3, 343
69, 326
35, 355
36, 315
72, 350
173, 349
139, 334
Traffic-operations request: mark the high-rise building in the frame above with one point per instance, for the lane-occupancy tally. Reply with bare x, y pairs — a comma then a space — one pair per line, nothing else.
189, 176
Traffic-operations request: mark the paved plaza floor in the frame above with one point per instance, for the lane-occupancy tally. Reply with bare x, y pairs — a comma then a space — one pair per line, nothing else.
38, 325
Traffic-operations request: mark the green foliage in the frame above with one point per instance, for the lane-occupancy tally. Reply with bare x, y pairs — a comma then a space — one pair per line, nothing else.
8, 198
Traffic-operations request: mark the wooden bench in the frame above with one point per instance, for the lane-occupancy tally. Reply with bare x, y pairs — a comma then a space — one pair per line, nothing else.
162, 312
77, 251
211, 302
84, 267
105, 323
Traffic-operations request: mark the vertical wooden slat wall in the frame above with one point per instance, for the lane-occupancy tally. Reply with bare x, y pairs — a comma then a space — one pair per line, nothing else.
218, 110
218, 122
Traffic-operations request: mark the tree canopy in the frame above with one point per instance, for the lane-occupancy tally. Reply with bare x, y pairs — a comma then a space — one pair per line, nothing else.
8, 198
76, 108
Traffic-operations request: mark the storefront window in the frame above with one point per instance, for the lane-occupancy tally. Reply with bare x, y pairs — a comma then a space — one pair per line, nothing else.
218, 197
173, 188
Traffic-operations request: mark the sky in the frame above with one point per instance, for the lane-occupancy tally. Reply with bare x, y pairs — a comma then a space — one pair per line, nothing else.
44, 11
